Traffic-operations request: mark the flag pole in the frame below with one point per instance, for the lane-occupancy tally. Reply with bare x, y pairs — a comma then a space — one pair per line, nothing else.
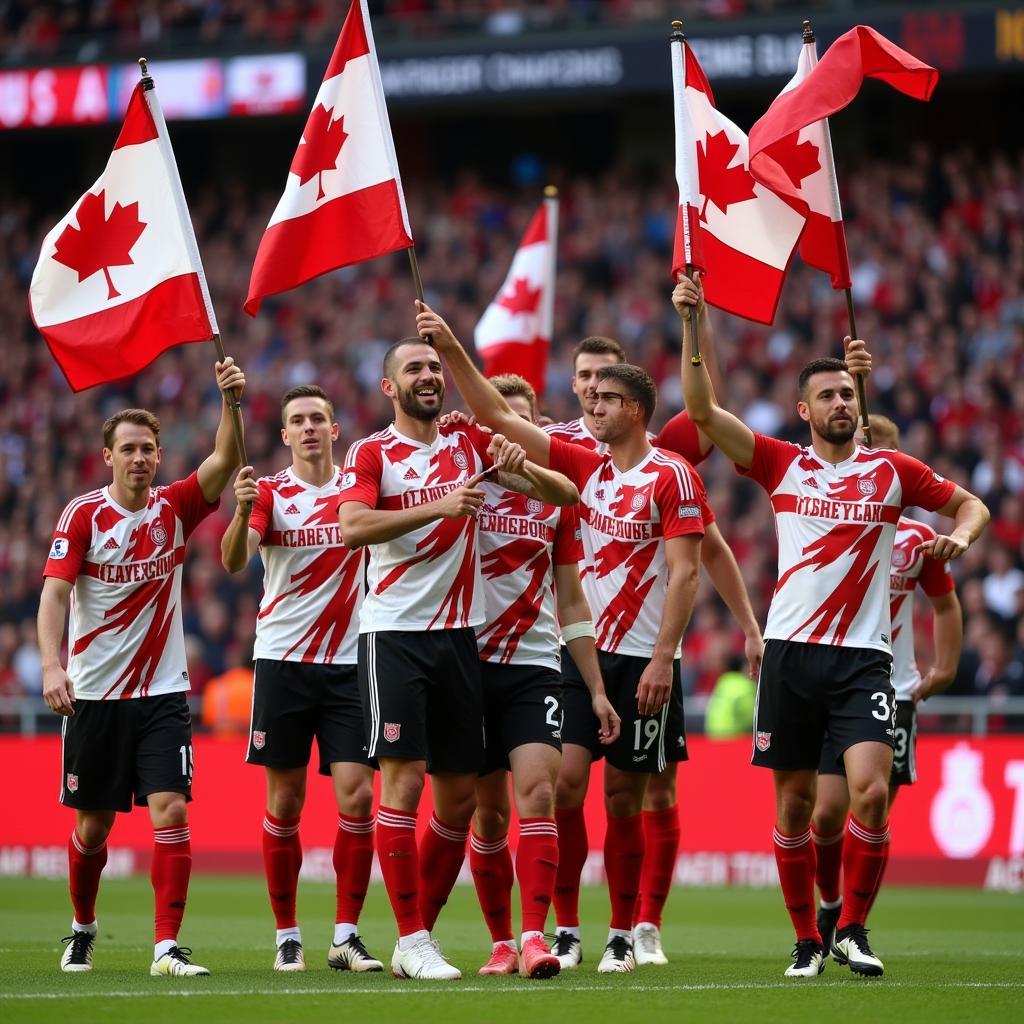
830, 166
677, 38
230, 397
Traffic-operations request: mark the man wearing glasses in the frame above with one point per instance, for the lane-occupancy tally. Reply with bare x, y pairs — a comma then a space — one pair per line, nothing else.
644, 513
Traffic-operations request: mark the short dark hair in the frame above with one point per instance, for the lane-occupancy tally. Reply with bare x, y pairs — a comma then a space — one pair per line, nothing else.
885, 426
509, 384
598, 345
637, 381
139, 417
828, 365
305, 391
388, 367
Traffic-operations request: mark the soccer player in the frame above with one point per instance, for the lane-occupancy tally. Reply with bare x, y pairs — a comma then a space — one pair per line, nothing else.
305, 683
643, 516
828, 663
660, 811
911, 568
127, 732
530, 553
411, 493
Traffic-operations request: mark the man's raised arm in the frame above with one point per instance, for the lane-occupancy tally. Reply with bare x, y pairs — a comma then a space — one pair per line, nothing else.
482, 397
217, 468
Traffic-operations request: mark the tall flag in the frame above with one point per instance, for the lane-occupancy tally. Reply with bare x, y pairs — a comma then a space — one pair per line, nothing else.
343, 201
740, 232
790, 146
514, 334
119, 279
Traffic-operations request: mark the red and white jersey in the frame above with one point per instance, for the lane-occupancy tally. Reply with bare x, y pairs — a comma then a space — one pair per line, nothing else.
679, 435
125, 637
627, 517
836, 526
428, 578
521, 541
313, 584
911, 568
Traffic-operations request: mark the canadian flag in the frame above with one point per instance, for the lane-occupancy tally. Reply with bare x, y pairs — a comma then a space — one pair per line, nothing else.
741, 234
119, 279
343, 201
790, 146
514, 334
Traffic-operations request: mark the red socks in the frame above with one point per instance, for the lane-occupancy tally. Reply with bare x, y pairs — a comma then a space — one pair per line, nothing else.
536, 869
829, 851
441, 855
491, 865
864, 857
661, 841
353, 858
623, 861
282, 858
169, 872
795, 858
573, 848
881, 875
400, 865
85, 864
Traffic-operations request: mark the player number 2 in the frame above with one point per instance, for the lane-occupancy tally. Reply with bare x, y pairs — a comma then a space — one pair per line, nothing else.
552, 717
650, 731
883, 712
187, 763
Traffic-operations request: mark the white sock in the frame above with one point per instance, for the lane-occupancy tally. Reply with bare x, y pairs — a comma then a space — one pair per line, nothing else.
618, 933
162, 947
526, 936
643, 924
77, 926
573, 930
284, 934
507, 943
408, 941
833, 905
343, 931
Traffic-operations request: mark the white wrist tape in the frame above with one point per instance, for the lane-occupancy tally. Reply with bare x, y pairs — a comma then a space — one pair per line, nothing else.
577, 629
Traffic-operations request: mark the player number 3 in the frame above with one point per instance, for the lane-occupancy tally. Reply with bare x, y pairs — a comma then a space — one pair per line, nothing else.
883, 712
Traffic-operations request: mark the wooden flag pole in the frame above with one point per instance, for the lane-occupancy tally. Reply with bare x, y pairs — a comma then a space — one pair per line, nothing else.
230, 396
858, 378
696, 359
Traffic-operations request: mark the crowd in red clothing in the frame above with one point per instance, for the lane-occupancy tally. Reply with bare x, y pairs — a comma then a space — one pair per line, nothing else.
937, 247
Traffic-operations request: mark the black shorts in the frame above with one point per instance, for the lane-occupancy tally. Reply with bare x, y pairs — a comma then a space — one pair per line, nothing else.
806, 690
904, 749
647, 743
293, 701
116, 752
422, 697
522, 704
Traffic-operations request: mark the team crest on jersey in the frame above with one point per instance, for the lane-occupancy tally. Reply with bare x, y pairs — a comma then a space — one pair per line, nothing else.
461, 459
899, 558
392, 730
59, 549
763, 741
158, 534
534, 507
348, 480
866, 486
259, 739
72, 783
639, 501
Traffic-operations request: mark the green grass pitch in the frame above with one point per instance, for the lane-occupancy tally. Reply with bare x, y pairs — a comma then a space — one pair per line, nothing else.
950, 956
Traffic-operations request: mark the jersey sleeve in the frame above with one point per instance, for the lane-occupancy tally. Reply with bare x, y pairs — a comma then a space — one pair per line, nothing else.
680, 435
262, 510
922, 486
771, 460
480, 439
69, 545
707, 512
681, 501
187, 500
361, 478
935, 578
568, 547
574, 461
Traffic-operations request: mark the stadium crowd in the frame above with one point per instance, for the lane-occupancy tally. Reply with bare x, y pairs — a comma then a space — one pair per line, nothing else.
937, 247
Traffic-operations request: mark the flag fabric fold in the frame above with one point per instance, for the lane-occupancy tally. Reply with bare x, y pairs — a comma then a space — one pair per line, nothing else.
790, 146
119, 279
741, 233
514, 334
343, 201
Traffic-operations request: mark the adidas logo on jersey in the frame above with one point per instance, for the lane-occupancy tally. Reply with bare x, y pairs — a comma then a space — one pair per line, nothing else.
291, 510
111, 545
411, 474
811, 482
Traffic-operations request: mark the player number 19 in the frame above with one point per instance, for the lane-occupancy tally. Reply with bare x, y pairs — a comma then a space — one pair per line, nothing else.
650, 731
187, 763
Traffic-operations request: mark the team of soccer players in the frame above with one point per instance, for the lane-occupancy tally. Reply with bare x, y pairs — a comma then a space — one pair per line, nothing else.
487, 601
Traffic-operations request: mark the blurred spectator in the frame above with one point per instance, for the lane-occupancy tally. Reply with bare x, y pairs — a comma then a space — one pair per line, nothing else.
227, 698
730, 710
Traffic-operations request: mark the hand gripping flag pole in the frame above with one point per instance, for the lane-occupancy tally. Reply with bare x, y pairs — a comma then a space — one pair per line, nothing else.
178, 195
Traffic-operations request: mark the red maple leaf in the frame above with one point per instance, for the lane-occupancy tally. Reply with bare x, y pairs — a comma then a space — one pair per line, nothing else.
721, 184
522, 298
322, 142
99, 242
798, 159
